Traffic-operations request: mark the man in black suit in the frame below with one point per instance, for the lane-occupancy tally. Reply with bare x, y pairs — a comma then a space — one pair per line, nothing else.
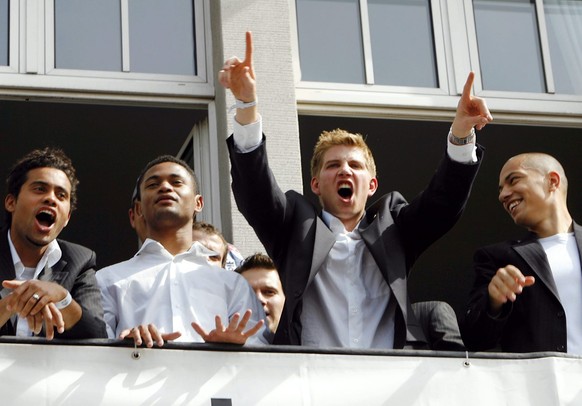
527, 295
344, 270
48, 283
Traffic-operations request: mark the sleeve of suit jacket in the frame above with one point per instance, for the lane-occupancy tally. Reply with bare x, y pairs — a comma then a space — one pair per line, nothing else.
479, 330
257, 195
81, 282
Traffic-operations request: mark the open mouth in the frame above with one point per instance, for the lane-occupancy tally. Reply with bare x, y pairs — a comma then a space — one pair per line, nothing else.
45, 218
345, 191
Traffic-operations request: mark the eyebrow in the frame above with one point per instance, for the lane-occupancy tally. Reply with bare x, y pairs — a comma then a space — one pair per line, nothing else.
509, 175
44, 183
157, 177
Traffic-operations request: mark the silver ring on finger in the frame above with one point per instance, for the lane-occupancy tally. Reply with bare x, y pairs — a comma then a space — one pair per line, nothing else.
36, 297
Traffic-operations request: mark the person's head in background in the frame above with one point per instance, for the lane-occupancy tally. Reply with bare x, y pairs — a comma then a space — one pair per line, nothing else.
211, 238
260, 272
137, 222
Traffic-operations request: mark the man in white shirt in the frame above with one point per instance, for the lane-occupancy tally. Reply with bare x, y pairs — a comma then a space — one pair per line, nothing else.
527, 295
344, 269
47, 283
168, 288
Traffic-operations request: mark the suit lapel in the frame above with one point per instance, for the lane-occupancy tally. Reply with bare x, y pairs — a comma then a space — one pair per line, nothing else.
54, 273
324, 241
578, 235
6, 262
532, 252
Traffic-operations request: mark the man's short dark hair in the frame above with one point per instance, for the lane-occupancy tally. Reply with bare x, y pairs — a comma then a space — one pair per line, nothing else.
257, 260
160, 160
49, 157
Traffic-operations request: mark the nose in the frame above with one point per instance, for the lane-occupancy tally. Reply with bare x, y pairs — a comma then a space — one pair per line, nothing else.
504, 193
50, 198
345, 168
262, 299
165, 186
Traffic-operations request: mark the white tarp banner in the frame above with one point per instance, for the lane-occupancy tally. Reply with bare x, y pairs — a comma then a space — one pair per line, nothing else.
33, 374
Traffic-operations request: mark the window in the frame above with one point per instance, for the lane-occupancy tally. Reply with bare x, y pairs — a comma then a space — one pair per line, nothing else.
411, 58
564, 27
4, 31
402, 43
382, 42
89, 35
525, 46
118, 46
509, 50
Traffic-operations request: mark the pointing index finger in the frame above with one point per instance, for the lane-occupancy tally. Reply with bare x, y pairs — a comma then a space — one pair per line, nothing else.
249, 49
468, 86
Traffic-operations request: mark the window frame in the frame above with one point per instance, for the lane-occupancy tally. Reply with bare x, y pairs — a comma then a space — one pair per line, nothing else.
32, 58
456, 54
440, 60
14, 26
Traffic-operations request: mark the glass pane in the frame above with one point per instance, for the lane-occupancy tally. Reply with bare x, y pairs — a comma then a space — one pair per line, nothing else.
564, 21
161, 36
509, 49
4, 30
88, 34
402, 43
330, 41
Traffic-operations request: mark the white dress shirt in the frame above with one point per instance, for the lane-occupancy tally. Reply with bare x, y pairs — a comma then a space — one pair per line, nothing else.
562, 252
172, 291
51, 256
346, 304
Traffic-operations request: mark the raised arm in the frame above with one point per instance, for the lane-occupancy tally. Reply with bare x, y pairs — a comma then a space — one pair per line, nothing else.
239, 77
472, 111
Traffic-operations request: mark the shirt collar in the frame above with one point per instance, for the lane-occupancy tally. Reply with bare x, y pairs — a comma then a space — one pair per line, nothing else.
337, 227
51, 256
196, 250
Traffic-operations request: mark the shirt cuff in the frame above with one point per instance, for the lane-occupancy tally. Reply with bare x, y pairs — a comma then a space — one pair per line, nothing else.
247, 137
466, 154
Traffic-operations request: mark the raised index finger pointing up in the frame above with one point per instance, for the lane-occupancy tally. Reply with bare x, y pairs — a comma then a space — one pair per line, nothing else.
249, 51
468, 86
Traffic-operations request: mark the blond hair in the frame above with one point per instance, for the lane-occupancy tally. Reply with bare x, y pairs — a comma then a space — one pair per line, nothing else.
329, 139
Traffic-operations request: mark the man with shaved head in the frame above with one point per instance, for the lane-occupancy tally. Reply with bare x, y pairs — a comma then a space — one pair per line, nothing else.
527, 295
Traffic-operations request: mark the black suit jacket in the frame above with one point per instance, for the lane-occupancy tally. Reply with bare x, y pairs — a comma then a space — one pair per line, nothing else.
298, 241
536, 321
75, 271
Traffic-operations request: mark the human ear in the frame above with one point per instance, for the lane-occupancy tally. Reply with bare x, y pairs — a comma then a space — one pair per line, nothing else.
199, 204
9, 203
373, 186
554, 180
315, 186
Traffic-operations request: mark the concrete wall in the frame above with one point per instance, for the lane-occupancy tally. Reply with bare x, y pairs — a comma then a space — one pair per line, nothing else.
269, 20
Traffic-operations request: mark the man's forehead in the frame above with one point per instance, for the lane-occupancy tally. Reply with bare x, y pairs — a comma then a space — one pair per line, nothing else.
48, 175
343, 152
260, 271
167, 169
